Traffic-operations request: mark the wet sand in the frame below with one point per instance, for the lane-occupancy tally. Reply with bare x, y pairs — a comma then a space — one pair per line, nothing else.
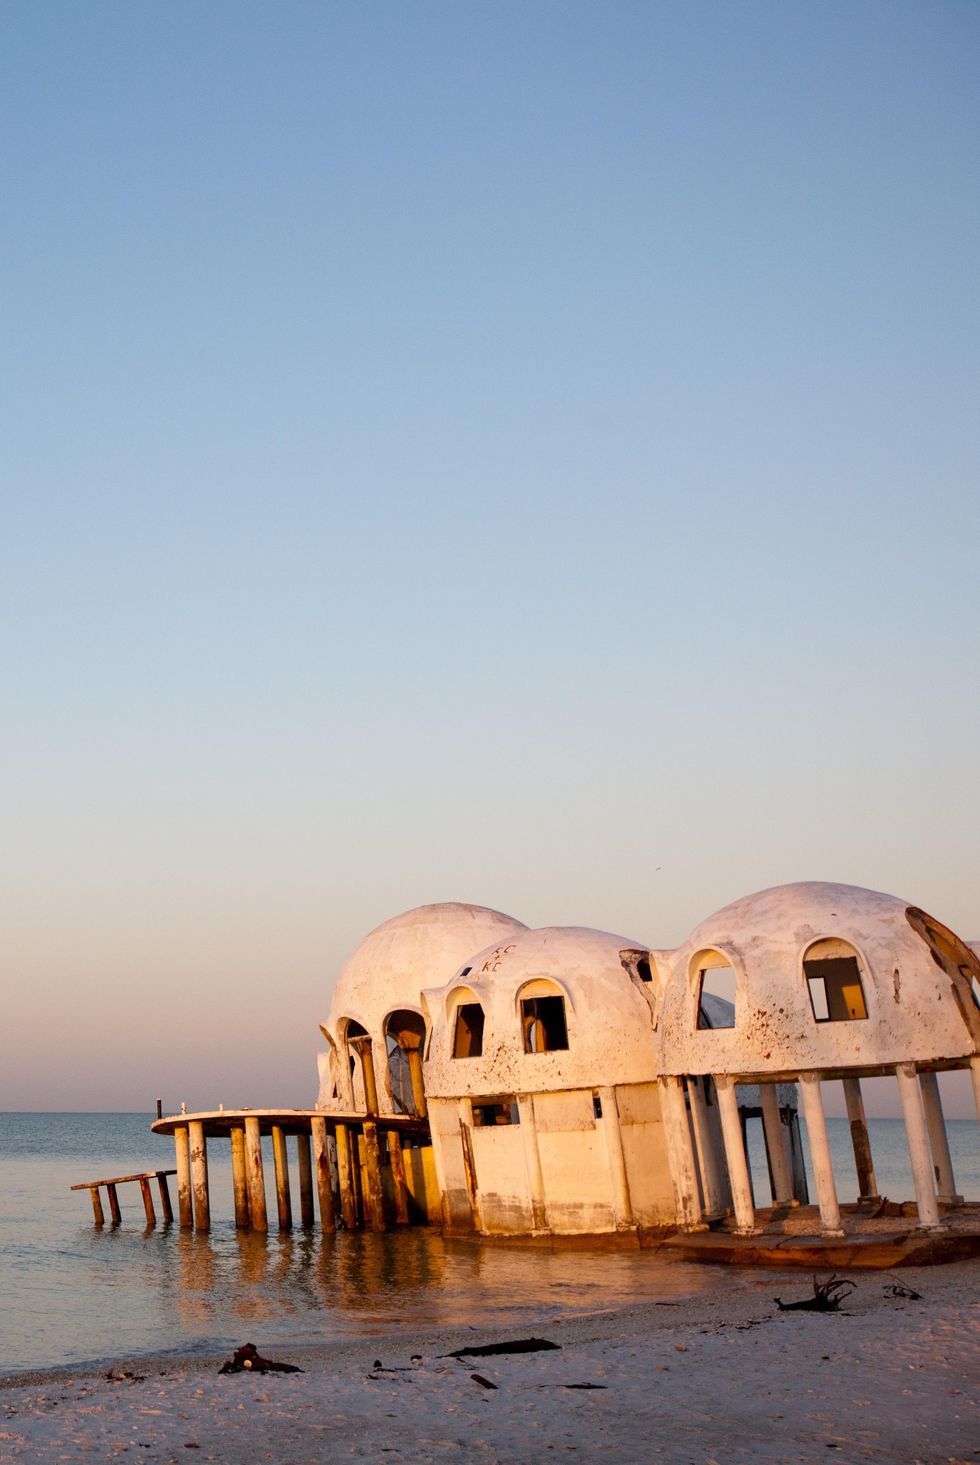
721, 1376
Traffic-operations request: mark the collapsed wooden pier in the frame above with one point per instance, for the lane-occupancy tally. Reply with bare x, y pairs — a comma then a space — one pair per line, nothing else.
112, 1194
369, 1171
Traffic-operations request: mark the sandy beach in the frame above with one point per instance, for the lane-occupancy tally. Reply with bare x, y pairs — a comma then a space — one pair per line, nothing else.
720, 1377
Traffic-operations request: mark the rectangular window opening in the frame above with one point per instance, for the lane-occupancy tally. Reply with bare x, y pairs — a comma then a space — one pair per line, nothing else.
836, 994
468, 1032
543, 1021
487, 1113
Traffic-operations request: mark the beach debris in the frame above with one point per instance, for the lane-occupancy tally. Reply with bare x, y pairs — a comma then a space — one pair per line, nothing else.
899, 1289
573, 1386
484, 1383
249, 1357
486, 1350
827, 1296
123, 1376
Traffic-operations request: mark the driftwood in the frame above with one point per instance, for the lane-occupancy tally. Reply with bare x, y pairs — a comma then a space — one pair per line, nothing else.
486, 1350
899, 1289
250, 1358
827, 1297
484, 1383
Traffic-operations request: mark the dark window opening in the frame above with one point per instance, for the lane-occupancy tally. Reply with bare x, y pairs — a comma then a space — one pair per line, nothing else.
468, 1032
487, 1113
466, 971
716, 997
543, 1022
643, 970
836, 994
597, 1106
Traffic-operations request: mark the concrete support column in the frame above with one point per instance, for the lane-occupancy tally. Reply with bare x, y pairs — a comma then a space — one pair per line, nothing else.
823, 1169
364, 1050
346, 1160
199, 1176
782, 1179
304, 1160
372, 1171
281, 1163
709, 1160
680, 1151
975, 1075
396, 1160
414, 1057
612, 1135
738, 1169
942, 1161
321, 1167
918, 1143
860, 1143
258, 1215
239, 1178
532, 1162
185, 1206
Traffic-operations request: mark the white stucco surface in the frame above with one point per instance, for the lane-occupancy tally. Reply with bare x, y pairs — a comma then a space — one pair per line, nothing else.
914, 1013
608, 1016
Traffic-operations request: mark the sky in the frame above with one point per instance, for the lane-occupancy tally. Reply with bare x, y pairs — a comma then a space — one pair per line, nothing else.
521, 453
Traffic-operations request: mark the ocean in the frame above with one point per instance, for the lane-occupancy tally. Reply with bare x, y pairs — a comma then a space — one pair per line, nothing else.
72, 1295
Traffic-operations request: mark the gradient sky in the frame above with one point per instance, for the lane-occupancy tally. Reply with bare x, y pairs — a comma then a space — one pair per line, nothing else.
522, 453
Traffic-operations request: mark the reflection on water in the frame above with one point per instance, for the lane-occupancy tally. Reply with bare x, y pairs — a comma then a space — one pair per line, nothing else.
73, 1293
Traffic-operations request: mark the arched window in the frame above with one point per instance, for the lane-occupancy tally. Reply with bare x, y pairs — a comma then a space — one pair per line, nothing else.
716, 989
404, 1032
468, 1030
833, 978
543, 1025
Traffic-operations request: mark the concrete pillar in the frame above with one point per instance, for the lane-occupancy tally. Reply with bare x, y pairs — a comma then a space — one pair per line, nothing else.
304, 1161
823, 1169
712, 1185
239, 1178
414, 1056
183, 1150
258, 1215
345, 1175
321, 1168
942, 1161
975, 1075
612, 1135
199, 1176
364, 1050
399, 1184
918, 1143
680, 1151
532, 1162
738, 1169
782, 1179
281, 1163
860, 1143
372, 1171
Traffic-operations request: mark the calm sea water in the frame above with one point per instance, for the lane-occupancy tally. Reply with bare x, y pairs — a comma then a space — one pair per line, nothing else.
71, 1294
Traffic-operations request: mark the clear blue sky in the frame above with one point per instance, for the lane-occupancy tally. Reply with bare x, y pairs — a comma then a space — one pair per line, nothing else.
522, 453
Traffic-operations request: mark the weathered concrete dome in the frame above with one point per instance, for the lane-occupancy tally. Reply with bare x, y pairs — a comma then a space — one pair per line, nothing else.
388, 970
608, 1018
828, 977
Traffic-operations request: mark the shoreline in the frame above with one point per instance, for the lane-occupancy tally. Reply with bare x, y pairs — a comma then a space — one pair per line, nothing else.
721, 1375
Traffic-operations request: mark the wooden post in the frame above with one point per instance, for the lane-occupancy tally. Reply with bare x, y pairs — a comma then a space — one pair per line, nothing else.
97, 1210
164, 1189
199, 1176
147, 1194
182, 1147
113, 1205
321, 1159
345, 1175
414, 1056
258, 1216
305, 1179
239, 1178
399, 1184
282, 1178
372, 1169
